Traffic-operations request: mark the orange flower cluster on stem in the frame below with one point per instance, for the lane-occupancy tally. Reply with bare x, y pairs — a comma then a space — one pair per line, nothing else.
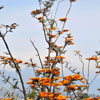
92, 58
5, 60
63, 19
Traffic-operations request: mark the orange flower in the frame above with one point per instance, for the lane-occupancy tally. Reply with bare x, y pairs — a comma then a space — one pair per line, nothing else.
33, 85
46, 79
33, 64
97, 66
4, 63
87, 58
37, 71
53, 71
65, 30
67, 39
68, 77
44, 70
48, 57
60, 97
63, 19
72, 87
53, 43
53, 28
97, 71
7, 99
38, 78
52, 36
34, 12
57, 84
15, 59
56, 78
77, 76
51, 96
65, 82
83, 81
40, 18
18, 61
83, 86
8, 58
69, 36
29, 82
2, 57
26, 63
60, 32
59, 46
50, 61
89, 99
98, 98
13, 26
31, 78
43, 94
60, 57
71, 39
92, 58
71, 43
46, 84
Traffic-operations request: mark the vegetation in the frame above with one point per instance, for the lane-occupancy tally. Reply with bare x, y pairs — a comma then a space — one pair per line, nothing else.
49, 82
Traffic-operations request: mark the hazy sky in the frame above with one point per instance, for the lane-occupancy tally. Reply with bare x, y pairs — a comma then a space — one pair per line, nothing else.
83, 23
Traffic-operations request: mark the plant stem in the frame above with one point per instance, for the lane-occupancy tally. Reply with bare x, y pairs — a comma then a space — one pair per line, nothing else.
16, 67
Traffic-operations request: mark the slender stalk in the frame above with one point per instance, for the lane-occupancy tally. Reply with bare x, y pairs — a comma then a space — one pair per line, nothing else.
67, 14
88, 76
10, 82
75, 95
57, 8
62, 69
16, 67
65, 21
88, 70
37, 53
80, 57
93, 79
33, 67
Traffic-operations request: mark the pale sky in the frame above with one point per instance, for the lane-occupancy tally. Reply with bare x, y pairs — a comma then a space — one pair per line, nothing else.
83, 23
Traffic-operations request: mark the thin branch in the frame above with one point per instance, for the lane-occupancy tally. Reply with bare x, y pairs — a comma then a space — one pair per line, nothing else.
37, 53
88, 70
10, 82
67, 14
57, 8
33, 67
62, 69
65, 21
93, 79
44, 32
80, 58
16, 67
75, 95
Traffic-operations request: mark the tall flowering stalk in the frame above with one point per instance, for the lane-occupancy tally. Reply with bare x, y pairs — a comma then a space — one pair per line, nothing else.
50, 80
